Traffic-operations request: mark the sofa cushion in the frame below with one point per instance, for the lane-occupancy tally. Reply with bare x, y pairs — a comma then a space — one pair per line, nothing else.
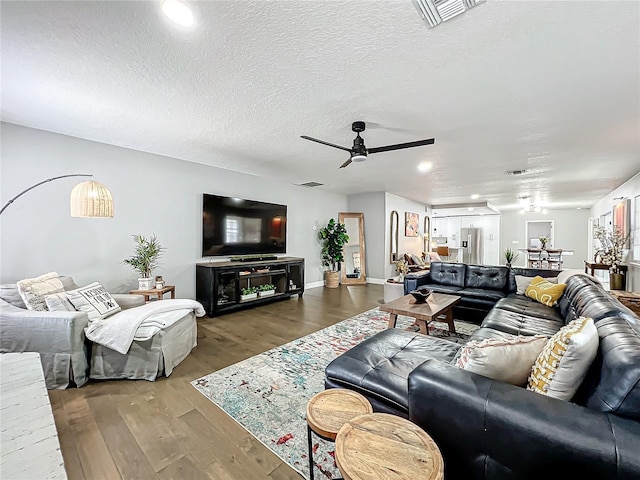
528, 307
565, 359
33, 290
443, 288
493, 295
379, 367
10, 294
518, 324
528, 272
452, 274
507, 360
94, 300
59, 302
486, 277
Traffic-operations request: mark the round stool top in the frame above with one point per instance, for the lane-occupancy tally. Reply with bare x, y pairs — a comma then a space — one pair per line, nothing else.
380, 446
328, 410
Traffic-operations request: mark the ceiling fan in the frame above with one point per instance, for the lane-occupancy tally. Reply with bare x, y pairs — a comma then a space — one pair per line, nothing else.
359, 152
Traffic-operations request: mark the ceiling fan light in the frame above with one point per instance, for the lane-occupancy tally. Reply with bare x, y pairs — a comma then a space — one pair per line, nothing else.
358, 157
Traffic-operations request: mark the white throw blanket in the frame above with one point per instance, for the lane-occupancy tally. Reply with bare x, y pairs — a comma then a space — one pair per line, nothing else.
118, 331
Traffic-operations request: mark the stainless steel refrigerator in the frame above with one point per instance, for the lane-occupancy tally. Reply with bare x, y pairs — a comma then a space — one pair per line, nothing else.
471, 245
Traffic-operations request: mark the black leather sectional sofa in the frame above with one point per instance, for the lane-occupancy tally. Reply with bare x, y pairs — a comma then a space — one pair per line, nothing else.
488, 429
480, 286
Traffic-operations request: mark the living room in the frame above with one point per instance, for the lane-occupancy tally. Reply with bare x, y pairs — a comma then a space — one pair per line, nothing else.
84, 92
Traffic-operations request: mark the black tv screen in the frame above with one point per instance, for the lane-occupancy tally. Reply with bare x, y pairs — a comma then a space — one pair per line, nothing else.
235, 226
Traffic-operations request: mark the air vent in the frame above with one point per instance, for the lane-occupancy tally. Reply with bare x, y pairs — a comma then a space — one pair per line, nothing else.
434, 12
311, 184
516, 172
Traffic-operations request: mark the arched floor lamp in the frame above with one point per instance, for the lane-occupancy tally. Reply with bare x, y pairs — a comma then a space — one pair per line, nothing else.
88, 199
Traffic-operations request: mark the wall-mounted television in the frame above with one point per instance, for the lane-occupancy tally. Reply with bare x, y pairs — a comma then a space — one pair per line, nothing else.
236, 226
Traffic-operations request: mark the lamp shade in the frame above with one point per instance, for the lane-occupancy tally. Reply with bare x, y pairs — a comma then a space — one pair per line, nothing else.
91, 199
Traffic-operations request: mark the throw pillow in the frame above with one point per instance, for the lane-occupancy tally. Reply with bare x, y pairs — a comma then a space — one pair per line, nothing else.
563, 363
59, 302
544, 291
434, 257
94, 300
507, 360
522, 283
33, 290
564, 275
417, 260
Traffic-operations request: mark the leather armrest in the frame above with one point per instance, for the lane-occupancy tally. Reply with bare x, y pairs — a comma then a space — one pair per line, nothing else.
478, 422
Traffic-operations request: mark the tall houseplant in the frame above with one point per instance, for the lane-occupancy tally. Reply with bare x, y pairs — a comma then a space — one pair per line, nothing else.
145, 258
334, 237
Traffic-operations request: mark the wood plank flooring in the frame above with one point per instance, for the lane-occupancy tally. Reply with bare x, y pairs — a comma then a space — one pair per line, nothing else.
168, 430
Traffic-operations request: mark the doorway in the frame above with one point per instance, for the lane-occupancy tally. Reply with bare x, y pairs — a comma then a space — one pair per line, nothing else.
534, 229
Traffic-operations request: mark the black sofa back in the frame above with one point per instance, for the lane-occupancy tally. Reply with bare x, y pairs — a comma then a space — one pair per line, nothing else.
444, 273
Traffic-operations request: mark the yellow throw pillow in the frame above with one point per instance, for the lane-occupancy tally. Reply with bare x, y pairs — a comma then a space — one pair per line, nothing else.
544, 291
563, 363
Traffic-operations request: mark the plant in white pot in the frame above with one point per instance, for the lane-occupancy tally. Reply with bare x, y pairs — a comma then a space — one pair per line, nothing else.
145, 258
266, 290
334, 237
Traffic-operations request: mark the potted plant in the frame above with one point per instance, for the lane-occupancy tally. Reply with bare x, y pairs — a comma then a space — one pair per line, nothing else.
611, 253
334, 237
543, 242
248, 293
510, 256
266, 290
145, 259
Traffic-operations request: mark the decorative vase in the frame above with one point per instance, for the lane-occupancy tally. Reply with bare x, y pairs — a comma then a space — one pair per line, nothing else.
331, 279
616, 281
146, 283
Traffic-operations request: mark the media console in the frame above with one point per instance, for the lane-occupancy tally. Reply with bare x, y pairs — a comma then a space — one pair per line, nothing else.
219, 284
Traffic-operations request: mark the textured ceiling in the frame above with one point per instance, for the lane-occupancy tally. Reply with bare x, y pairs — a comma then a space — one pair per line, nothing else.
552, 87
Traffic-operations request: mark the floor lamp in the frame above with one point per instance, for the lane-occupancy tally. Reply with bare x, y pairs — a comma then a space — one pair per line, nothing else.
88, 199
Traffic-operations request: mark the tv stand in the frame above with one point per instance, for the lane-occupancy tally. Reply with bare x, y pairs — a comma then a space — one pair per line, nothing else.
219, 284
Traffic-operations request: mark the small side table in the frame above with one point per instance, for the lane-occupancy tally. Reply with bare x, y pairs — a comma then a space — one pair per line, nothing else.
156, 291
328, 411
394, 447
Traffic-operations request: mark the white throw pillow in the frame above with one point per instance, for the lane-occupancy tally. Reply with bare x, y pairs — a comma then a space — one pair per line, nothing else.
507, 360
59, 302
522, 283
564, 275
33, 290
94, 300
563, 363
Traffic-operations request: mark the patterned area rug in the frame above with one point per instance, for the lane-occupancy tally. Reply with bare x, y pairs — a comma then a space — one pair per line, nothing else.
267, 394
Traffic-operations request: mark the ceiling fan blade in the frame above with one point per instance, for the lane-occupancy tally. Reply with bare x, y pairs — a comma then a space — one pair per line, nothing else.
325, 143
399, 146
346, 164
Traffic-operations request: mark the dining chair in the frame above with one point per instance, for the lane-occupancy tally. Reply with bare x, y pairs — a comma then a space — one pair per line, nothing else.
534, 257
443, 251
554, 259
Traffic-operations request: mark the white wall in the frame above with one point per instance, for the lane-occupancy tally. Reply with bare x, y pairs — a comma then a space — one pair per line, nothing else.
152, 194
413, 245
630, 189
372, 206
571, 232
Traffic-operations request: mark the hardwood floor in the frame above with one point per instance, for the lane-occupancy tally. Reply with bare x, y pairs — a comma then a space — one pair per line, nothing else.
168, 430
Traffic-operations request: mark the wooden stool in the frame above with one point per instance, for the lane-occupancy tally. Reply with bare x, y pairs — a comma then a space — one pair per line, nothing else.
381, 446
329, 410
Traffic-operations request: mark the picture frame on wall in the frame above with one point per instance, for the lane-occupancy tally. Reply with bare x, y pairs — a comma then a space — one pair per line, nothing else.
621, 219
411, 226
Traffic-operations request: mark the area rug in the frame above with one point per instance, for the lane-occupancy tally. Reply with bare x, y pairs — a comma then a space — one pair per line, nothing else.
267, 394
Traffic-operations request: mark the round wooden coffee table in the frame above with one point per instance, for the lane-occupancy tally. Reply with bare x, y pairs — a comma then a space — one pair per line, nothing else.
380, 446
328, 411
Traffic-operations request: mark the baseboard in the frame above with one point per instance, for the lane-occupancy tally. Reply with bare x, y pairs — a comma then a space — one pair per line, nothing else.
314, 284
376, 281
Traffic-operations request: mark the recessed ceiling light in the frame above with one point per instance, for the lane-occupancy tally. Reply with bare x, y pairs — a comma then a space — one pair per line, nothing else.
470, 209
425, 166
475, 196
536, 209
578, 208
522, 212
545, 211
178, 12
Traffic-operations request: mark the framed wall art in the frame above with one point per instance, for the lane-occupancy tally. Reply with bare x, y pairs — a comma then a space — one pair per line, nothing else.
621, 213
411, 224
